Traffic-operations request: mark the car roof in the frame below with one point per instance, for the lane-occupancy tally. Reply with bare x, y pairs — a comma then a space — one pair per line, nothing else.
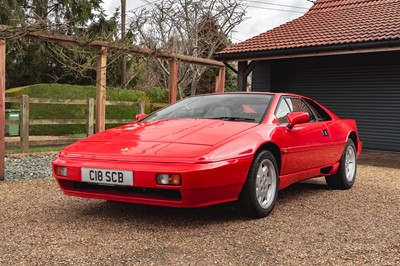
257, 92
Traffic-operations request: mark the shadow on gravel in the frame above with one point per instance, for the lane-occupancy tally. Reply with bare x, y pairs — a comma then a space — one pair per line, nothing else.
193, 218
169, 217
302, 190
380, 159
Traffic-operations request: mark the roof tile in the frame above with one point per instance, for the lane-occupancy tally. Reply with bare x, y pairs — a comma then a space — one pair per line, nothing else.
330, 22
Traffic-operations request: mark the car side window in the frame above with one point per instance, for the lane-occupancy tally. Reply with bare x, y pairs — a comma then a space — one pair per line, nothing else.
292, 104
282, 111
298, 105
321, 114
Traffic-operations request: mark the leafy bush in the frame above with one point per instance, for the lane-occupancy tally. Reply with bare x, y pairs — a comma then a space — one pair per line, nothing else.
157, 95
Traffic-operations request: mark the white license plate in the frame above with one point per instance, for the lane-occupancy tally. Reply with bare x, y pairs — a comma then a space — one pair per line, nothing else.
107, 176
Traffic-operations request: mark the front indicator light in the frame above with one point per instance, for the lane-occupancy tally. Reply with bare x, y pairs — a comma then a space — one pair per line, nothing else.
61, 170
168, 179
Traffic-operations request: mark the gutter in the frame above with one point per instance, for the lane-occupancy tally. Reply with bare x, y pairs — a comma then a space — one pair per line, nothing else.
364, 47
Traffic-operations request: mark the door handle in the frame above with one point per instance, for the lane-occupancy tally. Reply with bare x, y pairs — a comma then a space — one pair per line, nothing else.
325, 133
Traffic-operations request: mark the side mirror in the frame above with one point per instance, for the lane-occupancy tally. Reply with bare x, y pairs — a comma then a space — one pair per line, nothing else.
140, 116
297, 118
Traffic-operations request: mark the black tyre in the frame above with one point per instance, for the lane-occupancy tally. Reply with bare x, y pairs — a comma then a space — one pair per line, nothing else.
346, 174
260, 190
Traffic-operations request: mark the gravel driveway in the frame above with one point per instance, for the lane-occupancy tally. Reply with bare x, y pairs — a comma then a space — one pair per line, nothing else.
311, 225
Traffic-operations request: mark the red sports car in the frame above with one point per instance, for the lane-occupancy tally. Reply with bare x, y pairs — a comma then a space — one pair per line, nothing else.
211, 149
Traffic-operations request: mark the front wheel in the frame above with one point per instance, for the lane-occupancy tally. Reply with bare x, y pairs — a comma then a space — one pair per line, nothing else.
260, 190
346, 174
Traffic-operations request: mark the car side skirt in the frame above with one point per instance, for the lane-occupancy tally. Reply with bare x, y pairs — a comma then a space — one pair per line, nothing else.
289, 179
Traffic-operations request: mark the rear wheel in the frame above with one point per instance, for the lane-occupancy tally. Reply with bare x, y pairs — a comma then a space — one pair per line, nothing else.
346, 174
260, 191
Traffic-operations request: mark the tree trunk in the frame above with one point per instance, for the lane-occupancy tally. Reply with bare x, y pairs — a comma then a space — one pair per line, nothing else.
41, 7
123, 35
193, 86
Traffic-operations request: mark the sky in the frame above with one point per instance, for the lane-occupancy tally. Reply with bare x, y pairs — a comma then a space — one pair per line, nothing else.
262, 15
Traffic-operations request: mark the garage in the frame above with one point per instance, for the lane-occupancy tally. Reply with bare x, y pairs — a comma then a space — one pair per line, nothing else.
344, 54
351, 88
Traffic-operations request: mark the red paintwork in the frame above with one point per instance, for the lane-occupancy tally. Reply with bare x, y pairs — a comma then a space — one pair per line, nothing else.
298, 118
140, 116
213, 157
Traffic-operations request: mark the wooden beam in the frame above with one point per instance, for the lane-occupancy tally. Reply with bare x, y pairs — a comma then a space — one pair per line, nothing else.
249, 68
220, 81
230, 67
119, 121
131, 49
119, 103
41, 143
59, 122
2, 105
101, 82
244, 70
241, 77
67, 101
222, 74
173, 80
74, 121
90, 116
24, 123
56, 101
158, 105
12, 122
142, 107
217, 80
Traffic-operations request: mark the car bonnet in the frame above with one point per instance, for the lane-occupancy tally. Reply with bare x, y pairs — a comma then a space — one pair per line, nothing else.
168, 140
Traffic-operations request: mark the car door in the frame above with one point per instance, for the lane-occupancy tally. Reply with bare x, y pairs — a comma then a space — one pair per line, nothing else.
338, 135
306, 143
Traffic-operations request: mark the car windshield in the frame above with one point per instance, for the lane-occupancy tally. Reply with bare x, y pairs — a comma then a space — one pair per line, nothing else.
230, 107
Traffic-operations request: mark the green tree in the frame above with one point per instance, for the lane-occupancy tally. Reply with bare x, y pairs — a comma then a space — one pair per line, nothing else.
37, 62
11, 12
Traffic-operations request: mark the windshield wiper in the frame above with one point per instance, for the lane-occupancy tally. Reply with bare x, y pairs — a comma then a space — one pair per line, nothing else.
232, 118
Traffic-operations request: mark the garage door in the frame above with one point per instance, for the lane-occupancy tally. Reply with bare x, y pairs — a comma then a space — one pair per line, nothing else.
368, 94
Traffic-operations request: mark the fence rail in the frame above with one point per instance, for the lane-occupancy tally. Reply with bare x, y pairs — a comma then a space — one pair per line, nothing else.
25, 121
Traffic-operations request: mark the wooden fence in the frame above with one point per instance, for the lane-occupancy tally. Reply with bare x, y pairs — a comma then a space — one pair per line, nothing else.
24, 121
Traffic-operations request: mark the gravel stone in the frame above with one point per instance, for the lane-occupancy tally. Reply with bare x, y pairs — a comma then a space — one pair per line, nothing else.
28, 167
311, 225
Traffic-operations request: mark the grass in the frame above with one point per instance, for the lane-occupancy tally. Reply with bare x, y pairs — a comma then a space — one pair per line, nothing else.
35, 150
77, 136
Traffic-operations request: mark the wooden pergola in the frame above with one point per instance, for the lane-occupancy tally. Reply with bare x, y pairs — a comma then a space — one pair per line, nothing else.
101, 47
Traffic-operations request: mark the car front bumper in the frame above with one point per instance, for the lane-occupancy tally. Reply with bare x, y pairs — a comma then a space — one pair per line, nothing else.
202, 183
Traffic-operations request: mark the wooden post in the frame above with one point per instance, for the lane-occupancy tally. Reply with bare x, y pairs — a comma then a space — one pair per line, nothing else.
2, 105
90, 116
217, 80
173, 80
142, 107
220, 81
24, 124
244, 70
241, 77
101, 82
